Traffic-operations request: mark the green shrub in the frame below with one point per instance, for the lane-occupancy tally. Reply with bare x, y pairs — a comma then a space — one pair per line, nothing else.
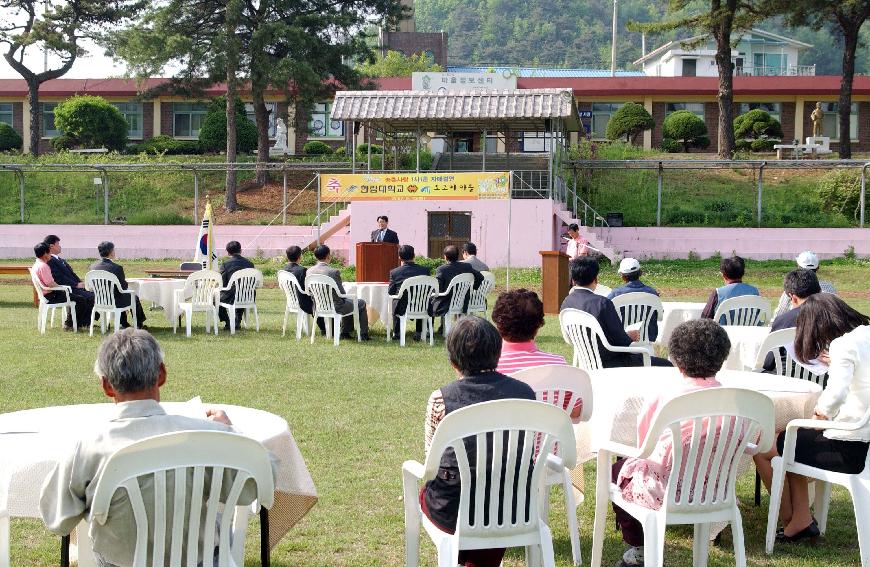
671, 146
763, 144
687, 129
316, 148
431, 263
628, 121
213, 132
743, 145
167, 145
340, 152
91, 122
63, 142
757, 124
409, 160
363, 149
9, 138
840, 192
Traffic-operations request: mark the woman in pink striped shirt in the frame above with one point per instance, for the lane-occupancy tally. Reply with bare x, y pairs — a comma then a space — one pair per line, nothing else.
518, 315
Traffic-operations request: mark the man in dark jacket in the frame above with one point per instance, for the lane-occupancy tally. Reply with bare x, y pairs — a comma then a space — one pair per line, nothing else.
384, 234
408, 269
584, 276
294, 254
106, 250
798, 285
445, 274
231, 265
63, 274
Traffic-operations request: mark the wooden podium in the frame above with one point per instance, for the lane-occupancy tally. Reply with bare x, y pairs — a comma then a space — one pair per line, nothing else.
555, 279
374, 260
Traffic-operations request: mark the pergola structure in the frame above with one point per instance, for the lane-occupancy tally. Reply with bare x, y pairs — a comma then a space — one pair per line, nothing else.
419, 114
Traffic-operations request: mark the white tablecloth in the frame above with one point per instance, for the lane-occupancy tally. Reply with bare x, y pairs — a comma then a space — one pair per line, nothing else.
676, 312
745, 344
376, 298
160, 291
32, 441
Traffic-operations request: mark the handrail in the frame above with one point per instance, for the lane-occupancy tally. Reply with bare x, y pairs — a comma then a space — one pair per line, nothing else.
713, 164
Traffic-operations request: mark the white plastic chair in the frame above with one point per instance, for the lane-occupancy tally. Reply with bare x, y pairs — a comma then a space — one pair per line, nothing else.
477, 301
246, 282
45, 306
580, 329
639, 307
562, 386
212, 459
419, 291
199, 289
725, 423
103, 284
856, 484
323, 291
786, 366
292, 290
528, 425
748, 310
460, 286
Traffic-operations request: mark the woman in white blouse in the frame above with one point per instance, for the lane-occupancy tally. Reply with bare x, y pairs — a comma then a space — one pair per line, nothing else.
831, 332
577, 245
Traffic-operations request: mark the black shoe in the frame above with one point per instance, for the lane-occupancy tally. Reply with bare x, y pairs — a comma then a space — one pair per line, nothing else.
345, 336
417, 337
810, 534
68, 327
365, 338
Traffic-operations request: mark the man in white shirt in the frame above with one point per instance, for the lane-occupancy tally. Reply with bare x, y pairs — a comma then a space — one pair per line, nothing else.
130, 367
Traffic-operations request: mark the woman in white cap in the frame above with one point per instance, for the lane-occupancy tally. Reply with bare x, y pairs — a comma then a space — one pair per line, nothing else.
810, 261
630, 272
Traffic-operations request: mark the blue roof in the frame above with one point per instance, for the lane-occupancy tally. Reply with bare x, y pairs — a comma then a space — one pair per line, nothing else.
543, 72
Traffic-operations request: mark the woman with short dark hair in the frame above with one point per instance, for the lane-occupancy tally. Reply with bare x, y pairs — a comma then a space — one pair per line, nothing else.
473, 347
518, 315
577, 245
830, 332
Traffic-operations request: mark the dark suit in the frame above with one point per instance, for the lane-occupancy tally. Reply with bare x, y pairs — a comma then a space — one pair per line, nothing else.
603, 310
63, 274
343, 305
397, 277
444, 274
389, 236
305, 302
121, 299
785, 321
229, 267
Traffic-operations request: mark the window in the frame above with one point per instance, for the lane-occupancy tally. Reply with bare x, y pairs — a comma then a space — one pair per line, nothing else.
690, 67
831, 121
535, 142
187, 119
772, 108
6, 113
696, 108
132, 112
770, 63
49, 130
320, 126
271, 108
601, 113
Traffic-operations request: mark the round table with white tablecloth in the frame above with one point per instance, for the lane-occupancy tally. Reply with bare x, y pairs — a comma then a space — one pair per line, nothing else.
376, 298
32, 442
745, 344
159, 291
676, 312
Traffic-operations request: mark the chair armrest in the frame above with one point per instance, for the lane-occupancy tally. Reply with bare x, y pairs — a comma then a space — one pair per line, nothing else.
64, 288
441, 294
623, 450
634, 350
414, 469
795, 424
129, 292
555, 463
644, 345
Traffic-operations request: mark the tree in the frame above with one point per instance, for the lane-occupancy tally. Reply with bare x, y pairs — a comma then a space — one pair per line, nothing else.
58, 29
629, 120
91, 122
847, 17
687, 129
721, 20
213, 132
396, 64
756, 124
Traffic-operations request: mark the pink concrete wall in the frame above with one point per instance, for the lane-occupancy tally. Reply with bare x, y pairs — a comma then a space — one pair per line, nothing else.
532, 226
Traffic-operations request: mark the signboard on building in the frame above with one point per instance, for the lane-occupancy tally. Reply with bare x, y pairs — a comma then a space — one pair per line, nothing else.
414, 186
448, 82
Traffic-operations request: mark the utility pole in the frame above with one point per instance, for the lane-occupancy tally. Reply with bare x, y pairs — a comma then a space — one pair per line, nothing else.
613, 44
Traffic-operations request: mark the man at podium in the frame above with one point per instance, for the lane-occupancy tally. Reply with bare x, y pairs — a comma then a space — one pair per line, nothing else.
384, 234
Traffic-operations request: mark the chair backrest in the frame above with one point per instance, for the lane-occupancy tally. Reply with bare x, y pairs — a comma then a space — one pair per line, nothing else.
560, 385
246, 282
509, 430
749, 310
37, 283
781, 344
582, 331
639, 307
291, 288
103, 284
478, 296
418, 290
459, 286
715, 427
191, 476
200, 287
322, 290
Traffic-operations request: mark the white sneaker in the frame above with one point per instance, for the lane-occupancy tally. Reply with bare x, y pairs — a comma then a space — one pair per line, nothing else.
633, 557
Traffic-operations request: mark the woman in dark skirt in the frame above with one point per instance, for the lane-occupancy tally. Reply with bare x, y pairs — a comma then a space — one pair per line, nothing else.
831, 332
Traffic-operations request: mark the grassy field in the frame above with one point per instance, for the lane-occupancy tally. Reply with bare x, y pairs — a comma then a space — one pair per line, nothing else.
357, 413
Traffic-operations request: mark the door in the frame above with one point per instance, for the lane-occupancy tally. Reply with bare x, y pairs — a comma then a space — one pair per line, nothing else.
446, 228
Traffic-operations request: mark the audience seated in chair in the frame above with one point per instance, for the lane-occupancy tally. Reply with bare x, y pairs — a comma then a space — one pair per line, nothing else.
630, 272
798, 285
474, 347
106, 250
231, 265
469, 256
343, 306
43, 271
408, 269
519, 315
584, 277
63, 274
130, 366
294, 254
807, 260
446, 272
732, 270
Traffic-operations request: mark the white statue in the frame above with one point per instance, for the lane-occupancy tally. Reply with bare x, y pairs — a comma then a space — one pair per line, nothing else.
280, 135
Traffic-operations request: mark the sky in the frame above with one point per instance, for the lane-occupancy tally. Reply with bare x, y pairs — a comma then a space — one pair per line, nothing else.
95, 65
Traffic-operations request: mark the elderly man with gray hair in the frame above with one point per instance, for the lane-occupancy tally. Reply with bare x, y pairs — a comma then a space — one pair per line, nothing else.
131, 370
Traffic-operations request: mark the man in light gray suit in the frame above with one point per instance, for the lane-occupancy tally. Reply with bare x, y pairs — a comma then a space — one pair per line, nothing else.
469, 256
342, 305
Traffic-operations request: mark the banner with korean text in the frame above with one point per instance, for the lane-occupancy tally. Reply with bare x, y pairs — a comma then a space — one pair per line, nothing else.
407, 186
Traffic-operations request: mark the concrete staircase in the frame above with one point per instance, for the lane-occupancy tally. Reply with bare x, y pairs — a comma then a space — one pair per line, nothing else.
531, 171
597, 237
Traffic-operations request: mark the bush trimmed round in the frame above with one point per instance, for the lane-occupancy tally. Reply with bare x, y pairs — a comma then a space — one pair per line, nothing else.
213, 133
316, 148
91, 122
364, 149
628, 121
9, 138
763, 144
756, 124
687, 128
